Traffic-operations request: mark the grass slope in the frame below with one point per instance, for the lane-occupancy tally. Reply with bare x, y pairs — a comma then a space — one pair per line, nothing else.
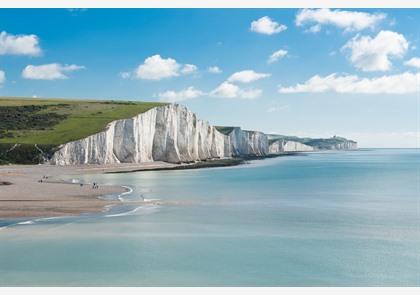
31, 129
80, 118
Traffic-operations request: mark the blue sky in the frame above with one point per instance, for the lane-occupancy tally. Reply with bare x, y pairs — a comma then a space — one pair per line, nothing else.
353, 73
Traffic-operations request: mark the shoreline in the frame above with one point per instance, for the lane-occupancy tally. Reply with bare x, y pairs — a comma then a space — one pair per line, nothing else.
40, 191
214, 163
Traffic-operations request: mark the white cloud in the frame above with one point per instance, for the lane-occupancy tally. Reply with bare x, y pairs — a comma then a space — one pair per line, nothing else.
267, 26
185, 94
226, 89
2, 77
247, 76
413, 62
395, 84
373, 54
156, 68
229, 90
189, 69
52, 71
315, 29
19, 44
279, 54
347, 20
214, 70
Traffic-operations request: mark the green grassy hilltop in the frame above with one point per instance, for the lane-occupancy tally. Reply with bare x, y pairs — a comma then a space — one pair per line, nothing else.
29, 125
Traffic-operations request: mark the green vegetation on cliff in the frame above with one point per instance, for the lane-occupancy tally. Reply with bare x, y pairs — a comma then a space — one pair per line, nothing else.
29, 126
226, 130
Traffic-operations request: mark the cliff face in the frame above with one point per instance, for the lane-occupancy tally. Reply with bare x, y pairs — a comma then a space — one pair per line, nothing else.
347, 145
280, 146
245, 143
332, 143
173, 134
168, 133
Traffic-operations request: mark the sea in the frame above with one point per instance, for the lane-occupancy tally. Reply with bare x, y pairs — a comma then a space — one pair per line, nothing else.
339, 218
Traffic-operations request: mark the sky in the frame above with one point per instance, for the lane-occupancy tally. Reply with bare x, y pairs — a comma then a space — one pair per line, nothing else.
310, 72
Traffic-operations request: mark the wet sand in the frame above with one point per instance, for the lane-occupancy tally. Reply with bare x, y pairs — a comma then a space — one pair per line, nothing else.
23, 195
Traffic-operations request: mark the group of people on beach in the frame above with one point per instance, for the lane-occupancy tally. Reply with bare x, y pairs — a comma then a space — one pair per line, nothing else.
43, 177
94, 185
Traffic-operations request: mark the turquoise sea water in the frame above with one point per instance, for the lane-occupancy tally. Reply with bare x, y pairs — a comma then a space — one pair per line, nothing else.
324, 219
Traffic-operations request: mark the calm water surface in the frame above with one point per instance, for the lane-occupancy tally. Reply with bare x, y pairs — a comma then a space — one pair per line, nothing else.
324, 219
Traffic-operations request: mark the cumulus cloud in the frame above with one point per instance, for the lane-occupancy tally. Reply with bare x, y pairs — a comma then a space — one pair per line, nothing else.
267, 26
229, 90
19, 44
189, 69
275, 56
214, 70
156, 68
185, 94
395, 84
314, 29
347, 20
247, 76
413, 62
374, 54
2, 77
52, 71
226, 89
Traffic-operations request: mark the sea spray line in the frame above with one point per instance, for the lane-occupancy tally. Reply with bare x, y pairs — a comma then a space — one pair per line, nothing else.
130, 190
132, 212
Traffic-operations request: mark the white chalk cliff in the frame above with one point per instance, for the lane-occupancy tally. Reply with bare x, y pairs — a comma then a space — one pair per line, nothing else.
169, 133
347, 145
281, 146
246, 143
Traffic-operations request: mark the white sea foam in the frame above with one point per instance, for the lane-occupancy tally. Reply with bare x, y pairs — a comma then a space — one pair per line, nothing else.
26, 222
120, 196
124, 213
145, 209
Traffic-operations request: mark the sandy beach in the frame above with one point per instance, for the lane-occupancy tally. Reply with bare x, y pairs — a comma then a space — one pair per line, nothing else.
23, 195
